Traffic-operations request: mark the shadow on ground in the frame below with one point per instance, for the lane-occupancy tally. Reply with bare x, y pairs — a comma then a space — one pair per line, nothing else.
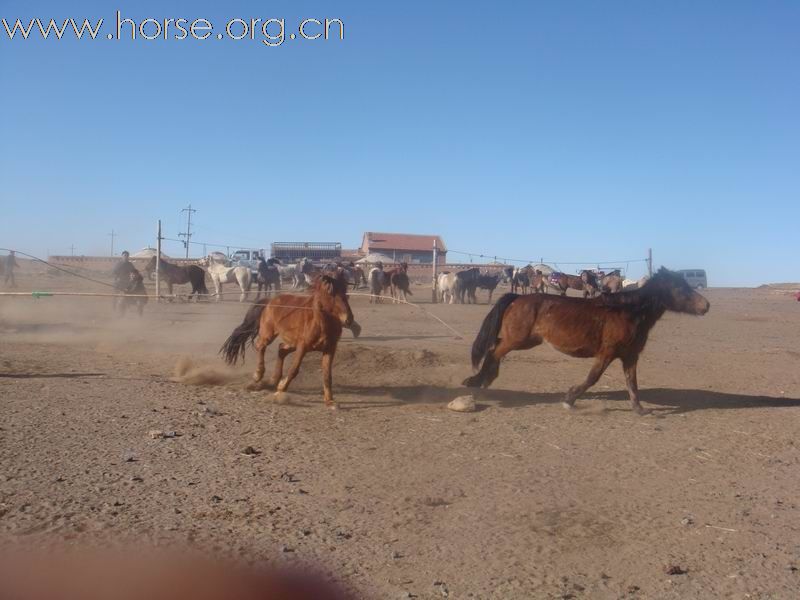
671, 401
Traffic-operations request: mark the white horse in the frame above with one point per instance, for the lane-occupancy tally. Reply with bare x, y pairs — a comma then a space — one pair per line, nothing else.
295, 273
220, 273
446, 286
632, 284
376, 279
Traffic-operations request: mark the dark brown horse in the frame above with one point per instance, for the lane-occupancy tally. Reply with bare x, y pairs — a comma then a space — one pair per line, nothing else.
399, 283
177, 275
603, 328
305, 323
488, 282
268, 278
591, 285
563, 282
135, 295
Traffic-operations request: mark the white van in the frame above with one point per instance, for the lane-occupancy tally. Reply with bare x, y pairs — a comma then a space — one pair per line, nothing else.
695, 278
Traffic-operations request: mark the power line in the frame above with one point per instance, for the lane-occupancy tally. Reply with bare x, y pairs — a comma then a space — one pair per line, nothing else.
531, 261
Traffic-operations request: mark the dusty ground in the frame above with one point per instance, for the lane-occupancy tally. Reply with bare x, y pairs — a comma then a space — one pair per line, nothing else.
394, 494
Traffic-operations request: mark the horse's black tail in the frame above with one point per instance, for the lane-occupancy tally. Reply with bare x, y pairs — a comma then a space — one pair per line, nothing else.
234, 346
487, 336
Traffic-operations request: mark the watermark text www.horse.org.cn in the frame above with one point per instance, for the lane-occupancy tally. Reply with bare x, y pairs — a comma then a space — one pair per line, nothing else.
270, 32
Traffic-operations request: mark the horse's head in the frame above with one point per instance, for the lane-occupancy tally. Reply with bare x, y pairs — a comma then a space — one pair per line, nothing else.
676, 294
331, 293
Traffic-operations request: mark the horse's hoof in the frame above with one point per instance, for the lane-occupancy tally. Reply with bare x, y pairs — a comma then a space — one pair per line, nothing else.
643, 411
568, 406
332, 406
281, 398
255, 386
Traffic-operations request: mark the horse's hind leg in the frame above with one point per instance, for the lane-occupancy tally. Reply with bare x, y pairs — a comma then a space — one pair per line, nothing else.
600, 365
261, 344
629, 367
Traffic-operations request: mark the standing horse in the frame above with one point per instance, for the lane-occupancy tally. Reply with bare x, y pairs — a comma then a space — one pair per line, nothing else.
563, 282
604, 328
221, 274
268, 278
305, 323
177, 275
538, 282
466, 284
396, 281
611, 283
446, 287
590, 284
377, 279
488, 282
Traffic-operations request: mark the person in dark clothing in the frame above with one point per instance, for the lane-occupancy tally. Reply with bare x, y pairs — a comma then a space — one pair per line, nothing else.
9, 264
124, 273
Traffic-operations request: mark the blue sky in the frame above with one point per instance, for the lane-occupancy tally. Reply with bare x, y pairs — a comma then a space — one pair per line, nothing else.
571, 131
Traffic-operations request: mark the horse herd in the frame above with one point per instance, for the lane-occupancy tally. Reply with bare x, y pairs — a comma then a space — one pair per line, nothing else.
461, 287
271, 275
604, 327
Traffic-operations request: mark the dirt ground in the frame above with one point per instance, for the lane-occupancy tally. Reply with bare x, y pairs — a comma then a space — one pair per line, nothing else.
394, 495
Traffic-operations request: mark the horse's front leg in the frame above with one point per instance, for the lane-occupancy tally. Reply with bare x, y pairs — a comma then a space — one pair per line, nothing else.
327, 379
600, 365
629, 367
283, 384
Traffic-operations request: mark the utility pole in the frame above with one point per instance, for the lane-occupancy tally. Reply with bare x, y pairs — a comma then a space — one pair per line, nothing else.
434, 282
72, 250
650, 262
158, 262
113, 235
188, 235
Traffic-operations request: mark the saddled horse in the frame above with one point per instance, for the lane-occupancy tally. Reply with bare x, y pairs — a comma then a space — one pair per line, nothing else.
172, 274
305, 323
605, 328
488, 282
268, 278
562, 282
611, 283
221, 274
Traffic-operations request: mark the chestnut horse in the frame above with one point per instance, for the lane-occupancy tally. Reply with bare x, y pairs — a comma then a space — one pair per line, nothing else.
305, 323
603, 328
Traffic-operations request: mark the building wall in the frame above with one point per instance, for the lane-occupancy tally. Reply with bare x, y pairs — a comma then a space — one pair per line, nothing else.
411, 256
